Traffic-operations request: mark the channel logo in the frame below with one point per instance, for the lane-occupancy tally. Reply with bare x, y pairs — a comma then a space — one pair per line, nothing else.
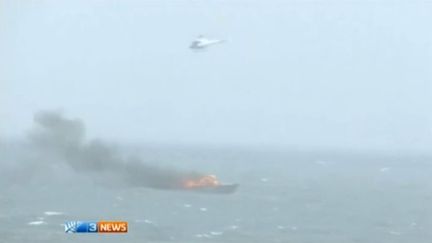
96, 227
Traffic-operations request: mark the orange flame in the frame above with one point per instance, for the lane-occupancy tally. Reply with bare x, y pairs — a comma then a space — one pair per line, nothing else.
204, 181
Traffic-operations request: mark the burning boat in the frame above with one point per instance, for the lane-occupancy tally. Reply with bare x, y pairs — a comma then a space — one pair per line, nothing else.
208, 184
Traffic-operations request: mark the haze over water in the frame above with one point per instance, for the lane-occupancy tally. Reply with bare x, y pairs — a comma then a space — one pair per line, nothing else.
320, 110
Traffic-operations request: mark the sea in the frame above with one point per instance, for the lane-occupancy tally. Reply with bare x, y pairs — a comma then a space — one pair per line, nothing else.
290, 196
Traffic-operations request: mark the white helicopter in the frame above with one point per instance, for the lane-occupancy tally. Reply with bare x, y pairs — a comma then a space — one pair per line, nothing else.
202, 42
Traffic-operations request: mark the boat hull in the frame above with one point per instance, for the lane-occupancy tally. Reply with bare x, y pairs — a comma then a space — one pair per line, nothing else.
221, 189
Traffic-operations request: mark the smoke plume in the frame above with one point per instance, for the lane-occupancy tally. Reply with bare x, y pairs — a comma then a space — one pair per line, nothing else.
65, 140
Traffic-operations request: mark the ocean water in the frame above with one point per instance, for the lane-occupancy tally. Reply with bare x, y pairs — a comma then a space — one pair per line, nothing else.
284, 196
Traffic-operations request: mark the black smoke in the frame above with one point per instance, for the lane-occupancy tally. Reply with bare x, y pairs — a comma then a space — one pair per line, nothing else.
64, 139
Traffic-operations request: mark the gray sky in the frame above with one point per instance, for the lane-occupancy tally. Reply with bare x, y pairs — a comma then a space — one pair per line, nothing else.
347, 74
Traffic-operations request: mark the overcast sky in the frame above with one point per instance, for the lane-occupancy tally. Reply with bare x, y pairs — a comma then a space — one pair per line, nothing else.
345, 74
